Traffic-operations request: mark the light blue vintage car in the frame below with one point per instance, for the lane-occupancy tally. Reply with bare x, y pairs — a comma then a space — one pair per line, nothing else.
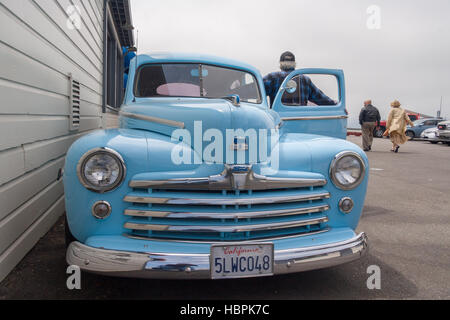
203, 179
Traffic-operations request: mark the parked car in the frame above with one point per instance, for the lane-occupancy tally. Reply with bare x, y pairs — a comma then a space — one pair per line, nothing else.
379, 130
145, 200
430, 135
421, 125
413, 116
443, 133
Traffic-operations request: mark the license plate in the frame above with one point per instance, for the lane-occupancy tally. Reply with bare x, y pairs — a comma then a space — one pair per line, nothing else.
240, 261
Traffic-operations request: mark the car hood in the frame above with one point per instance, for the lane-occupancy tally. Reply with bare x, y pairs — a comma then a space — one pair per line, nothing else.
198, 122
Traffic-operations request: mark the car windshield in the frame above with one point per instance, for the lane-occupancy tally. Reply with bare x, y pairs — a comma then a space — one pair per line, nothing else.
417, 122
195, 80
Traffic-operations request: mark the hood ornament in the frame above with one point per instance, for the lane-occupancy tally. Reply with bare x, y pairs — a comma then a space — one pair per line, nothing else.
239, 175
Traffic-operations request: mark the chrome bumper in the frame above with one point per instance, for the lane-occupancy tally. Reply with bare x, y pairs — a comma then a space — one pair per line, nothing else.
197, 266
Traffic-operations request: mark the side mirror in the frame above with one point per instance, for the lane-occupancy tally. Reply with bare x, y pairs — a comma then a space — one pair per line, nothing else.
291, 86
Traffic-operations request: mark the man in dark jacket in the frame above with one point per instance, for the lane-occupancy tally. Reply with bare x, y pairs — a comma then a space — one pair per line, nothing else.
369, 118
306, 90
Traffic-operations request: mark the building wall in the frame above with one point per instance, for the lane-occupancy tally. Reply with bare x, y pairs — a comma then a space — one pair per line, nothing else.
38, 51
110, 120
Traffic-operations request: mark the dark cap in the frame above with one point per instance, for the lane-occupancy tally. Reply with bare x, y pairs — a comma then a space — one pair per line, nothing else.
287, 56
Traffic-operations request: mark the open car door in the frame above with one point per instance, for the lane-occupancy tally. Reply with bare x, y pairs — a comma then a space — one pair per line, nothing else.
313, 101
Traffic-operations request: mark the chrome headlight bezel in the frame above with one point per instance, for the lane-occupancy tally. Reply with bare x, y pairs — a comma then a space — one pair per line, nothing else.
101, 189
332, 172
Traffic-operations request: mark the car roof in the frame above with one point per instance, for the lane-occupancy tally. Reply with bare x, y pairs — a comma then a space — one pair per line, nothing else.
425, 119
180, 57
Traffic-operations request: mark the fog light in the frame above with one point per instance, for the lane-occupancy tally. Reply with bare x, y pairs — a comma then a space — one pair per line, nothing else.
346, 205
101, 209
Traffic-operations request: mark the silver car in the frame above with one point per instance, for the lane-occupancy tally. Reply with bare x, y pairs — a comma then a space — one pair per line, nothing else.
430, 135
443, 133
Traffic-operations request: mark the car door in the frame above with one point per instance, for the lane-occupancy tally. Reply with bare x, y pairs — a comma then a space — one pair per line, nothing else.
426, 125
320, 116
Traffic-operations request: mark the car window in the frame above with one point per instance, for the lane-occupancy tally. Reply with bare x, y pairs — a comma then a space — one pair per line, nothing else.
312, 90
178, 89
429, 123
195, 80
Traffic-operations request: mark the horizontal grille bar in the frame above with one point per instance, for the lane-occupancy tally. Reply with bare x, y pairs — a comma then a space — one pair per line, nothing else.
256, 182
221, 215
229, 228
131, 236
227, 201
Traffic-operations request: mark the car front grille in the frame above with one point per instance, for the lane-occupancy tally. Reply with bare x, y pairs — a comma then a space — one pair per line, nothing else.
225, 215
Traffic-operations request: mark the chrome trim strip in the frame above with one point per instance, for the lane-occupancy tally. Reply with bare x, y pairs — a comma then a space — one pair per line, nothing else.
166, 122
314, 118
230, 179
150, 238
154, 184
220, 215
229, 201
218, 228
197, 266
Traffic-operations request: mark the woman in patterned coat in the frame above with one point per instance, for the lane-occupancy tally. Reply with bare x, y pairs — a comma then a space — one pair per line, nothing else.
396, 125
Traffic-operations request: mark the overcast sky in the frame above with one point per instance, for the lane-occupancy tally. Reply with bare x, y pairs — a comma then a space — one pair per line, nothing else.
406, 58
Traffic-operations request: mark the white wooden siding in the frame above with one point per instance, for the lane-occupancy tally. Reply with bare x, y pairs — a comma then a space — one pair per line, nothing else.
110, 120
37, 53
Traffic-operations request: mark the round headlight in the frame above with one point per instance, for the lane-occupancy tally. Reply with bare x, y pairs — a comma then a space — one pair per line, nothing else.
347, 170
101, 169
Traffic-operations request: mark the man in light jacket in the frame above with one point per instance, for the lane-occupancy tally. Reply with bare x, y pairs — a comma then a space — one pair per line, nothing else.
369, 118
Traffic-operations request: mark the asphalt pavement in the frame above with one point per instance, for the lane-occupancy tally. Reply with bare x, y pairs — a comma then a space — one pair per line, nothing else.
406, 217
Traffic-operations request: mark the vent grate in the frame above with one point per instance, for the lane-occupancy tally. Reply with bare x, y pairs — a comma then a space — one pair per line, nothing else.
74, 104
